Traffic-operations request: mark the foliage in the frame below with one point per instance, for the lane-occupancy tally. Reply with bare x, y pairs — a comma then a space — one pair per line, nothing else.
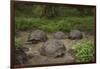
24, 10
52, 17
17, 45
50, 10
84, 51
58, 24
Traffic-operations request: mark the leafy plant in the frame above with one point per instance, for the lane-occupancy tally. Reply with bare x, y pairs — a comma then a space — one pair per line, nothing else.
84, 51
17, 45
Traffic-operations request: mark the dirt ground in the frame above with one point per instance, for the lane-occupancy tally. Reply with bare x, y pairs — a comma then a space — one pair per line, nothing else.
38, 59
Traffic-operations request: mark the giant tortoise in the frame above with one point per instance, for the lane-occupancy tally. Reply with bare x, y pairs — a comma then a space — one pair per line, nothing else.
53, 48
37, 36
59, 35
75, 34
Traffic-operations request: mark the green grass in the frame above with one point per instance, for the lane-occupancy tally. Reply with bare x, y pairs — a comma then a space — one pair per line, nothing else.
84, 51
58, 24
17, 45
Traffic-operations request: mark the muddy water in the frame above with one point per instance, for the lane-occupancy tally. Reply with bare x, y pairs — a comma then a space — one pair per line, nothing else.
38, 59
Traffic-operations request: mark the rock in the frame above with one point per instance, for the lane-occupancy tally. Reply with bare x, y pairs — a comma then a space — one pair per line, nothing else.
59, 35
25, 49
37, 36
53, 48
75, 34
30, 53
20, 57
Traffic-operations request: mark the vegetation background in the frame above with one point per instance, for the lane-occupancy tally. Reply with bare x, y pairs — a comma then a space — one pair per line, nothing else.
53, 17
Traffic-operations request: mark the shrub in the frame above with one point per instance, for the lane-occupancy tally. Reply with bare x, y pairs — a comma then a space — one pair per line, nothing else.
84, 51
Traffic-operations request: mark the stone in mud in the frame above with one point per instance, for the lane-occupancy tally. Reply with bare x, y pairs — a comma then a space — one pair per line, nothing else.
20, 57
53, 48
37, 36
29, 52
59, 35
75, 34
